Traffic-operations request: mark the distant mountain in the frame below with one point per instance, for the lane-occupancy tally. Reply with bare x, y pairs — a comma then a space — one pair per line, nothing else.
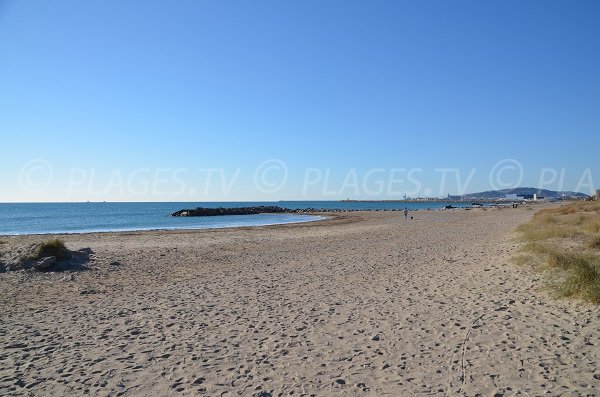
521, 191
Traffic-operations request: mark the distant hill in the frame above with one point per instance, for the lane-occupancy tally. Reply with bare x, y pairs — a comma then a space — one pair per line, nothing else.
520, 191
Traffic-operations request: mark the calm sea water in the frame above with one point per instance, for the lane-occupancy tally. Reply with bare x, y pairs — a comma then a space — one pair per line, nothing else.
33, 218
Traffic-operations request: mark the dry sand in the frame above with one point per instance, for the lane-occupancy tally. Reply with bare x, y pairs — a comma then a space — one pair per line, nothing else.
364, 304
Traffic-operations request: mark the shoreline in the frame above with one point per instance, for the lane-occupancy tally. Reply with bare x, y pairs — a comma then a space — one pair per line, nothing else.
160, 229
324, 215
22, 219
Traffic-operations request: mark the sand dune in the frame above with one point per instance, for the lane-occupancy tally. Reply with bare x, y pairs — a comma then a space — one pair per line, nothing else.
365, 304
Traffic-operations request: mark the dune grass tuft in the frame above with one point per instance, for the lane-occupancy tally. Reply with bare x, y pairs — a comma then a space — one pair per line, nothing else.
54, 247
564, 243
583, 280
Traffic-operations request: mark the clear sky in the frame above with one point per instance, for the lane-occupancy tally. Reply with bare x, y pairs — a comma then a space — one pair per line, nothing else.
268, 100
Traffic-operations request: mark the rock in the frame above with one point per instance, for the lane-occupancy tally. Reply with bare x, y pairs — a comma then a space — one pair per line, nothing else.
269, 209
69, 277
263, 394
44, 263
114, 263
82, 255
199, 381
375, 337
201, 211
340, 381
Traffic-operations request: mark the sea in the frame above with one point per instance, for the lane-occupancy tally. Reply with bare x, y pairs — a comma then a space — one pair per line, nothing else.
45, 218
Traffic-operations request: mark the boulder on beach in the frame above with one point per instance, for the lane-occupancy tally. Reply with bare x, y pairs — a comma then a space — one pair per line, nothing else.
44, 263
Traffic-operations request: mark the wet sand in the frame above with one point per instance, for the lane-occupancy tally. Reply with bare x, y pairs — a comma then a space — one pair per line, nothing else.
363, 304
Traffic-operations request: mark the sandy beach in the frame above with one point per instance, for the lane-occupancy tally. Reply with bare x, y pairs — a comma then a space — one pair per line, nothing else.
362, 304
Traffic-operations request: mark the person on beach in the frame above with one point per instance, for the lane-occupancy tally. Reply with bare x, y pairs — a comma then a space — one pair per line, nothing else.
405, 213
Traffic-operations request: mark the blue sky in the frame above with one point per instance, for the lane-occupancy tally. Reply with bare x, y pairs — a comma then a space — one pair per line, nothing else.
137, 101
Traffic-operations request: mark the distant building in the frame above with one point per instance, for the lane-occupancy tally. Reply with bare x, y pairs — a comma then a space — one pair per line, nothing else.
598, 194
514, 196
533, 197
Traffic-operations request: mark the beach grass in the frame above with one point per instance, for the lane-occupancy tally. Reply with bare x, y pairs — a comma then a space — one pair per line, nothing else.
54, 247
595, 243
564, 244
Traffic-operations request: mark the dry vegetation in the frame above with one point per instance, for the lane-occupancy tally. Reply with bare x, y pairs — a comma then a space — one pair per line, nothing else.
21, 257
564, 243
53, 247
